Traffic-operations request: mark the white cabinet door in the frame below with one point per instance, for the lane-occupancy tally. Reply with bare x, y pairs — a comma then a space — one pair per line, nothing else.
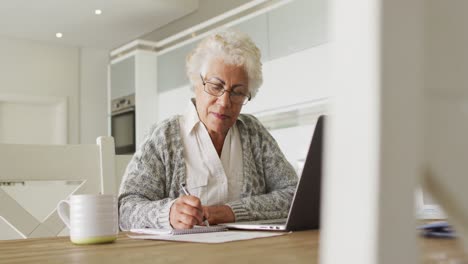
123, 77
297, 26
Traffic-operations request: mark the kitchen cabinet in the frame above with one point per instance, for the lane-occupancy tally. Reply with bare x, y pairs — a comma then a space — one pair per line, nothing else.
257, 29
297, 26
171, 68
122, 75
135, 73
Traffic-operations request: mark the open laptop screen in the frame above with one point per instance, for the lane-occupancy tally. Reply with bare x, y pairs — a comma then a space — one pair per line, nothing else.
305, 208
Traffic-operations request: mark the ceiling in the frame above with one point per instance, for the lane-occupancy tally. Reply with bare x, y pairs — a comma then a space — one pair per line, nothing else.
121, 21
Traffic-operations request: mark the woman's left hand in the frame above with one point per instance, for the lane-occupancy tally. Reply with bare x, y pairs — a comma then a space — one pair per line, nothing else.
218, 214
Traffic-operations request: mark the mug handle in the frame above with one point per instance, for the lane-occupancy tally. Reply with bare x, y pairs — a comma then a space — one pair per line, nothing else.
63, 213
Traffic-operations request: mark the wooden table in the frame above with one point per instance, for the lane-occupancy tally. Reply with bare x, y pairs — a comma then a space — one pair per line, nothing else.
298, 247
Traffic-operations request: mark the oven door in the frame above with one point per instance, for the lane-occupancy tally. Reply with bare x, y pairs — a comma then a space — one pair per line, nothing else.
123, 131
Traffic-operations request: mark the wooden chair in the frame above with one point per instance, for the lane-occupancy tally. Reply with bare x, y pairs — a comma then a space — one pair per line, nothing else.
92, 165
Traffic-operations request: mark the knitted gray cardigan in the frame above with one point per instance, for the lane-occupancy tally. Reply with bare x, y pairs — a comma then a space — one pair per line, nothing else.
154, 174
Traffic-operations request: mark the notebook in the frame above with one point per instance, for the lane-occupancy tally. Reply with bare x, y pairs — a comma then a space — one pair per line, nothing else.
305, 208
170, 232
441, 229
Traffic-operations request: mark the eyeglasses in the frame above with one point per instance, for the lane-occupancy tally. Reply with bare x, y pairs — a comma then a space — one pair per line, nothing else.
217, 89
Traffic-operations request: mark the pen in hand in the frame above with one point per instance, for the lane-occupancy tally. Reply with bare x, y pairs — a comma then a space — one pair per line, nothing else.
187, 193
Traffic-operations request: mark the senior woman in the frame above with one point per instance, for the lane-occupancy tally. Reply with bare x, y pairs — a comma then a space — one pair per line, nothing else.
232, 167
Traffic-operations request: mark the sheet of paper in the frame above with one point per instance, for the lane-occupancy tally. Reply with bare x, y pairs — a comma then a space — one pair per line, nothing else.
195, 229
214, 237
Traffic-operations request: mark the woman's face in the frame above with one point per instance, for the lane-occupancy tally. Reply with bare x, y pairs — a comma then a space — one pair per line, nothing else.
219, 114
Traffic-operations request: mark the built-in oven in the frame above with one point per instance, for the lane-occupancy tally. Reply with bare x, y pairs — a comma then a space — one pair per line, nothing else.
123, 124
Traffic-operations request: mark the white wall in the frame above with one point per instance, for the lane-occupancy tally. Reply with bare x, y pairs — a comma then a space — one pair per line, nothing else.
32, 68
35, 69
93, 94
145, 93
45, 115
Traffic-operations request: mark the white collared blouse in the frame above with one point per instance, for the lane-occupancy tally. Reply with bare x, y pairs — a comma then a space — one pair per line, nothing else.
215, 180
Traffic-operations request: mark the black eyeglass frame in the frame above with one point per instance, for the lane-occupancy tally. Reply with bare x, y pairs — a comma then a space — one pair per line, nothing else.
224, 90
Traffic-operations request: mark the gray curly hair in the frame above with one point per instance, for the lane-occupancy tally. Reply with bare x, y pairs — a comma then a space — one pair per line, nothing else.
235, 48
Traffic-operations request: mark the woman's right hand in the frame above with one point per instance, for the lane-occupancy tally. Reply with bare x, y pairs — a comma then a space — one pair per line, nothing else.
186, 212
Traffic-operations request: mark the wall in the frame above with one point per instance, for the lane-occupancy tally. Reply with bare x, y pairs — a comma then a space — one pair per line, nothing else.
32, 68
145, 93
93, 94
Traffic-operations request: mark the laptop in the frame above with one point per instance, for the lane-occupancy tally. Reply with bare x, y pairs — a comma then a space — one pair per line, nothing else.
305, 208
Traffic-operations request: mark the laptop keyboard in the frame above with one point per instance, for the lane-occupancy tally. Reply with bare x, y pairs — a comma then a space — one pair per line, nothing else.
282, 222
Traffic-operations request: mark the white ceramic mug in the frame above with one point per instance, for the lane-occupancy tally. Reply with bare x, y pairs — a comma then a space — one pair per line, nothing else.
91, 218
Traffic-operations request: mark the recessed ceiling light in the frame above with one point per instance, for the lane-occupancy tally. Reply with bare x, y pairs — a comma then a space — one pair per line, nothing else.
59, 35
98, 11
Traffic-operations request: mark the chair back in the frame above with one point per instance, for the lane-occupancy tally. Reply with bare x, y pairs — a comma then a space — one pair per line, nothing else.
93, 166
